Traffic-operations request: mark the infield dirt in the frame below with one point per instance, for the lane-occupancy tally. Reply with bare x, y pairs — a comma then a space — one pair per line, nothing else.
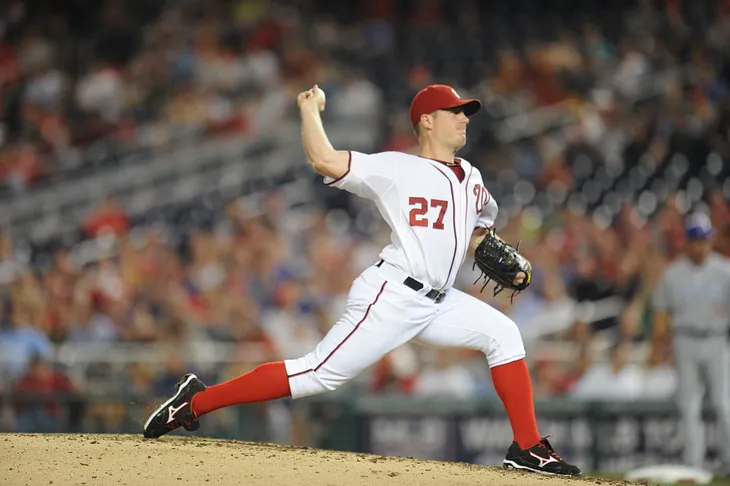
64, 460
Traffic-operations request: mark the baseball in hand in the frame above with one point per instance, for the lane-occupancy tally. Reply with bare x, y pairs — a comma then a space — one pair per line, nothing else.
312, 96
318, 93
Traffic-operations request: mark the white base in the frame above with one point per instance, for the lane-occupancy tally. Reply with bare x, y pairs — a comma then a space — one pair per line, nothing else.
670, 473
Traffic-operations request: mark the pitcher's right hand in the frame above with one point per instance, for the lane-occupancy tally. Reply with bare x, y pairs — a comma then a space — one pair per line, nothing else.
312, 98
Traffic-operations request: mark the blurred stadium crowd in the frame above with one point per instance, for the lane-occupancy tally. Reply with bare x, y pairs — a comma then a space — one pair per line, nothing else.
605, 123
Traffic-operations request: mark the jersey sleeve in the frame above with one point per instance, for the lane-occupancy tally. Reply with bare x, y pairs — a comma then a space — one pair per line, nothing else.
489, 213
368, 175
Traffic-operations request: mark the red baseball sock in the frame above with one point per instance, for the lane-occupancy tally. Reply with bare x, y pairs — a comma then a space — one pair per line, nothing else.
512, 383
268, 381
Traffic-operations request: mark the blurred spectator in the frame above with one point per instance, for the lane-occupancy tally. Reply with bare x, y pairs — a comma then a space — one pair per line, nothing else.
47, 85
660, 377
356, 96
632, 73
11, 265
20, 165
141, 381
397, 372
575, 372
445, 377
107, 219
175, 367
89, 325
291, 324
546, 378
101, 91
21, 341
590, 285
617, 379
45, 399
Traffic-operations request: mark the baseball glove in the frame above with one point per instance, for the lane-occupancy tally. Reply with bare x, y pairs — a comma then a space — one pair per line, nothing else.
500, 262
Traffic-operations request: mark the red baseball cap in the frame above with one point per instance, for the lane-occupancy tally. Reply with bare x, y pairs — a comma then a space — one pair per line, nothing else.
440, 97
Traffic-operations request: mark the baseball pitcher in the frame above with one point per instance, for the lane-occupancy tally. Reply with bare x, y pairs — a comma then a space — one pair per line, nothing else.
693, 300
438, 209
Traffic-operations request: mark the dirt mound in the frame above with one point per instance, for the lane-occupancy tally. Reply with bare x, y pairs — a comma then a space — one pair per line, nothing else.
60, 460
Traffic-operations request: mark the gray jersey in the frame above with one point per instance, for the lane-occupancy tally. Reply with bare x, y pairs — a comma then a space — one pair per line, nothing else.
696, 297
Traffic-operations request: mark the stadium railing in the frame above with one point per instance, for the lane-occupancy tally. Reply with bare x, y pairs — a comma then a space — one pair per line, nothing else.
186, 172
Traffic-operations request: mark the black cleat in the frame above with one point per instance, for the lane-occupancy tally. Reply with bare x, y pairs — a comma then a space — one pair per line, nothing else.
176, 412
540, 458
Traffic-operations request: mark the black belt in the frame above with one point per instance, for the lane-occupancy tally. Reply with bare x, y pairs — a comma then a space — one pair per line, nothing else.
411, 282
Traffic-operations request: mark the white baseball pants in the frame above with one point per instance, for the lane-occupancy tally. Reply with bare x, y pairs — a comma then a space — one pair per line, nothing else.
382, 313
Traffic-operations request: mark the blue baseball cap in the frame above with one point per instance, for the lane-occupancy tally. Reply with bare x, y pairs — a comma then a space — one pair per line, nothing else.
698, 226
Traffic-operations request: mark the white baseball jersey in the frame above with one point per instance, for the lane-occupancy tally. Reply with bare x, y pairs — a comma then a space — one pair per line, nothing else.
432, 215
430, 212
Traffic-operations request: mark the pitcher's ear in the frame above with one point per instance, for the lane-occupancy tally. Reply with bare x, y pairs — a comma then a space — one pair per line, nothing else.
427, 121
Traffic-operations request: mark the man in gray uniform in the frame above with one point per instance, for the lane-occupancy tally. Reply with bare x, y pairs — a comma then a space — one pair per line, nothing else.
693, 299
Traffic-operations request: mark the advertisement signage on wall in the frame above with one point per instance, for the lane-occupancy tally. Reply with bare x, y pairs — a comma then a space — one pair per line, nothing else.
610, 441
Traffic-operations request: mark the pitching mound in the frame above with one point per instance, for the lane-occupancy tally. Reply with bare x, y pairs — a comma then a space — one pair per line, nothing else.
61, 460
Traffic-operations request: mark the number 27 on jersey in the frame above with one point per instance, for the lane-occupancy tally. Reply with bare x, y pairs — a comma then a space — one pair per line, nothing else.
420, 207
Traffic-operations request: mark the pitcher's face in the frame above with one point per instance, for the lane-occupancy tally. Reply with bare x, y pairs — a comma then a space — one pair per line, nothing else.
450, 127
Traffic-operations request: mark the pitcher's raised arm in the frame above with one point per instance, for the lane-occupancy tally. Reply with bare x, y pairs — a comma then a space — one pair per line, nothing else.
321, 155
